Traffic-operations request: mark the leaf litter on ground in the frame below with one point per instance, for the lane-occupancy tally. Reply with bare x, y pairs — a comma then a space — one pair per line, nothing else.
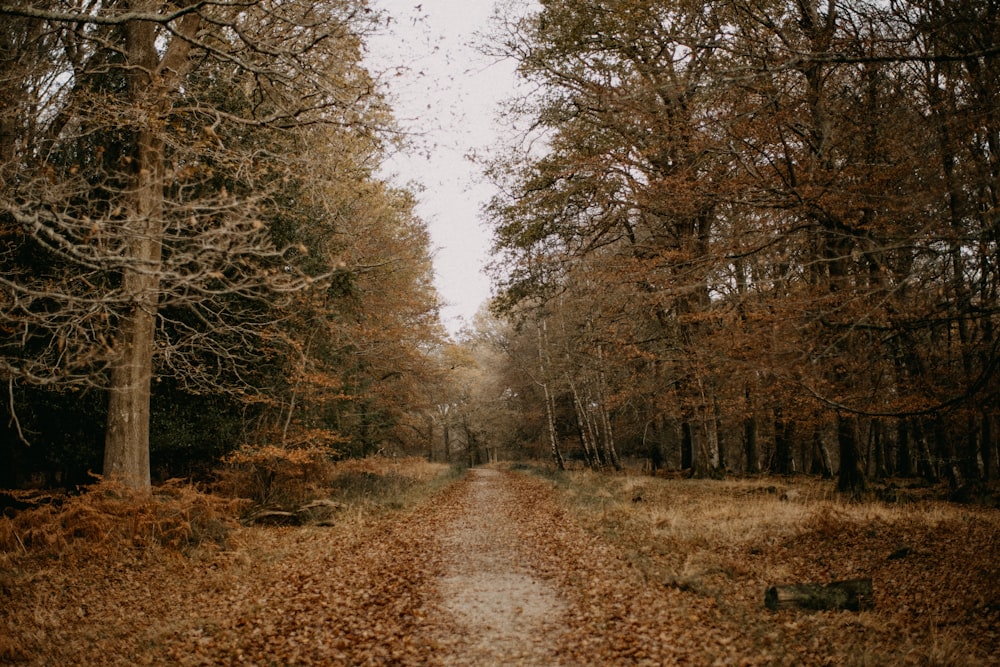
574, 570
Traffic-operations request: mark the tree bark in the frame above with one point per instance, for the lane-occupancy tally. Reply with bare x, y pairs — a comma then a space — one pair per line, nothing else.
609, 436
784, 462
126, 450
687, 446
587, 438
904, 454
987, 446
851, 480
820, 456
152, 81
550, 417
750, 434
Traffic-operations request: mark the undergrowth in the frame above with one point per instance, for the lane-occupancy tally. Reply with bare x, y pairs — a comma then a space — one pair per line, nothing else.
109, 517
374, 483
117, 577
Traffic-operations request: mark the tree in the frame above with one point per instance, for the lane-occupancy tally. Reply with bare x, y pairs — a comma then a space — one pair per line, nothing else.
740, 200
145, 164
632, 174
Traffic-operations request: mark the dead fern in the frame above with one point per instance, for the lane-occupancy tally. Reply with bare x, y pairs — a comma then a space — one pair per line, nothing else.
111, 517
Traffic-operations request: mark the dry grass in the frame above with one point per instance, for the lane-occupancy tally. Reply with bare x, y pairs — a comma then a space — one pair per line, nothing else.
375, 483
934, 565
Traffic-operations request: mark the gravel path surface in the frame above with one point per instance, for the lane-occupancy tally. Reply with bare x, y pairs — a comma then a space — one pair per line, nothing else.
504, 614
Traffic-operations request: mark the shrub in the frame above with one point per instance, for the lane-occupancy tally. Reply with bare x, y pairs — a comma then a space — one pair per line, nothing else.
273, 475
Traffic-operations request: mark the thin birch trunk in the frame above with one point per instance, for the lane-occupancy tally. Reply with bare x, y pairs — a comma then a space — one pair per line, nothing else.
549, 400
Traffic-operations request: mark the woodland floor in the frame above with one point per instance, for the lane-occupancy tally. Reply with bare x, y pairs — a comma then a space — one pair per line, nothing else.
507, 567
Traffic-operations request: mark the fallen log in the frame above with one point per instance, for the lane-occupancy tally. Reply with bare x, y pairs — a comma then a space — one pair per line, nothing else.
852, 595
320, 512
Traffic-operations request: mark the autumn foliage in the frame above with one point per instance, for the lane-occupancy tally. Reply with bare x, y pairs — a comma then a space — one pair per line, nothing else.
755, 235
109, 519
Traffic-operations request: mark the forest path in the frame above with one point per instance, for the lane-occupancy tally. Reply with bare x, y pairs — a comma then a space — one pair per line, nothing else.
502, 613
502, 568
517, 580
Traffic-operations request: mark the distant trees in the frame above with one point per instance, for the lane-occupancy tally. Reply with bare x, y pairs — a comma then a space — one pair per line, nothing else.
362, 351
187, 192
769, 220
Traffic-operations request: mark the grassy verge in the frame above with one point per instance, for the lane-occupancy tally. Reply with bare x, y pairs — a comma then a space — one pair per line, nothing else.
933, 563
377, 484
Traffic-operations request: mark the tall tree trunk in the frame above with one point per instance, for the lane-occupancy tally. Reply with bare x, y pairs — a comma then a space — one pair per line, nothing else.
587, 437
654, 449
550, 410
446, 439
720, 435
904, 449
711, 452
879, 452
750, 444
152, 81
430, 439
851, 480
750, 432
987, 446
550, 419
126, 445
784, 462
820, 464
927, 465
611, 452
470, 442
687, 446
704, 434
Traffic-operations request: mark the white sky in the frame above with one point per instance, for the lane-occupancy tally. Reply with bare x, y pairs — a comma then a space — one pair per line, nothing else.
448, 94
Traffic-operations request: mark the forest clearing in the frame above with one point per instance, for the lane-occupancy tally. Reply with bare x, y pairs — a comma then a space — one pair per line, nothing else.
515, 564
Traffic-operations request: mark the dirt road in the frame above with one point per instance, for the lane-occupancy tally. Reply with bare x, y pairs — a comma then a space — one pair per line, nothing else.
500, 611
516, 581
520, 582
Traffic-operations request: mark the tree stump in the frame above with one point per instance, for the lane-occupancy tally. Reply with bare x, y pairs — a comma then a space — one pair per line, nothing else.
853, 595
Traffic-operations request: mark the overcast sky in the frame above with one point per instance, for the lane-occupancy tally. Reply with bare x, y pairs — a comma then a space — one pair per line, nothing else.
448, 94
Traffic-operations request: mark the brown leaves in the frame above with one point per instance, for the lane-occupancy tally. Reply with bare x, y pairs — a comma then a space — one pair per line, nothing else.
339, 595
718, 545
569, 572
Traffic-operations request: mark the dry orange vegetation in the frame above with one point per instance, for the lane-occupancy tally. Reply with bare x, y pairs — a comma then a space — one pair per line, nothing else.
646, 571
934, 566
